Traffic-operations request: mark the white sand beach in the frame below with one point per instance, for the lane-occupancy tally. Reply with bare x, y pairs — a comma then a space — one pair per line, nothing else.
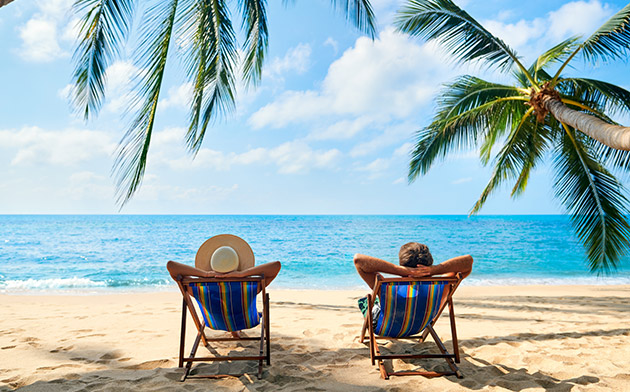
528, 338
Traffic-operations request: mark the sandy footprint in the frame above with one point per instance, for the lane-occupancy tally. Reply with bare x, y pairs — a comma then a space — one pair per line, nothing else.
65, 365
149, 365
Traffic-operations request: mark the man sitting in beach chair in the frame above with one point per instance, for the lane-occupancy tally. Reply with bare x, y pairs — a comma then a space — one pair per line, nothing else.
403, 308
224, 284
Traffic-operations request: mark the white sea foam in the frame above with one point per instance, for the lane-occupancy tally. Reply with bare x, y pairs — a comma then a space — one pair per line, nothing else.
46, 284
519, 281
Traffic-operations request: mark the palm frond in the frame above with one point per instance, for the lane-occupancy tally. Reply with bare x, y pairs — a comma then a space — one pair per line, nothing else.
102, 31
612, 40
554, 55
211, 68
458, 32
603, 96
611, 157
360, 13
152, 53
595, 200
467, 109
524, 148
255, 46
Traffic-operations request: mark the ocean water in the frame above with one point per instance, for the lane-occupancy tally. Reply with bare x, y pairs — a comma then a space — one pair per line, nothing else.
85, 253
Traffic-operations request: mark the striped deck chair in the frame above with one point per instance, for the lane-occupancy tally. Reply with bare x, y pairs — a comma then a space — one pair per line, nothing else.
228, 305
409, 309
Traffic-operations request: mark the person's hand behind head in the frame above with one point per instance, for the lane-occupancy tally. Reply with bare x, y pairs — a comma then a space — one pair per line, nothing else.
419, 271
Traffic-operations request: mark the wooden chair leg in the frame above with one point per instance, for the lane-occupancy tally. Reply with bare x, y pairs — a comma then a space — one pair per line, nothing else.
371, 329
268, 328
262, 343
182, 338
381, 367
192, 355
442, 349
451, 314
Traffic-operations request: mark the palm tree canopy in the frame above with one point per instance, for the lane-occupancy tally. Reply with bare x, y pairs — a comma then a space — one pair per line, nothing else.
475, 114
210, 57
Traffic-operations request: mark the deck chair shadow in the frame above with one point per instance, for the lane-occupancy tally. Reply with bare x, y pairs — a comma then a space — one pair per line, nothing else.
227, 304
410, 308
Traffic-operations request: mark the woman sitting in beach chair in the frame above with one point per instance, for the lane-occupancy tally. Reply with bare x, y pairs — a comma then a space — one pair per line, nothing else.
402, 308
224, 284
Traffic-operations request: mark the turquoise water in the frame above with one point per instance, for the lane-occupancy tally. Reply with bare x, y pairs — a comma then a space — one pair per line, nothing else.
78, 252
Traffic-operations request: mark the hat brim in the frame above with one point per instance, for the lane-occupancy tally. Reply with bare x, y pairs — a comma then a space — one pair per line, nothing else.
242, 248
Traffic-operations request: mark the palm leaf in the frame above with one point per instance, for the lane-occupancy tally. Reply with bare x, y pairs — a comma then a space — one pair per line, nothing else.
210, 66
611, 157
603, 96
553, 55
103, 29
612, 40
595, 200
458, 32
153, 51
255, 46
359, 12
467, 109
524, 148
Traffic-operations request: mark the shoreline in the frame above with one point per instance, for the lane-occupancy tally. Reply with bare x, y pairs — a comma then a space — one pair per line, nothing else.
122, 290
514, 337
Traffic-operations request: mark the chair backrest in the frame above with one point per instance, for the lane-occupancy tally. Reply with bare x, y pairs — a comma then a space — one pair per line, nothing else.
227, 305
409, 305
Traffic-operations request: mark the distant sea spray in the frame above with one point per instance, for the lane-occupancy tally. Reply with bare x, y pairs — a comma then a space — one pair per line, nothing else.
95, 253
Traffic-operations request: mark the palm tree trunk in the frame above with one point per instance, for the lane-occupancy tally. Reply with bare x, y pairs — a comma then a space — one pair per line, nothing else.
614, 136
4, 2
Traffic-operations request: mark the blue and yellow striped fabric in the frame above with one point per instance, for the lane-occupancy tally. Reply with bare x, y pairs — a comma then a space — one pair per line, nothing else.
227, 306
407, 307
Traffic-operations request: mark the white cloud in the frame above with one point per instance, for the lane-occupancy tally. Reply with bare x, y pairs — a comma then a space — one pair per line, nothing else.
519, 34
404, 150
391, 135
297, 156
121, 97
66, 92
41, 35
341, 130
178, 96
120, 74
578, 18
461, 180
389, 77
39, 41
531, 37
376, 168
153, 191
36, 146
87, 185
84, 176
296, 60
289, 157
330, 41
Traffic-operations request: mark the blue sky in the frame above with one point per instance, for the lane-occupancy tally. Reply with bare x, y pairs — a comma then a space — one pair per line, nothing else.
328, 131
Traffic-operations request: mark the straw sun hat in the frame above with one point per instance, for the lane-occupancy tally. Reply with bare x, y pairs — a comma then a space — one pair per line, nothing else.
224, 253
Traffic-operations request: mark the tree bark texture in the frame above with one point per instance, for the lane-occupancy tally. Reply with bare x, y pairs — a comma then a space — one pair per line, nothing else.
614, 136
4, 2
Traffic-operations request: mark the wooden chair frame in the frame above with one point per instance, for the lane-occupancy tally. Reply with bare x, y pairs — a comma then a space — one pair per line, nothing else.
451, 358
183, 282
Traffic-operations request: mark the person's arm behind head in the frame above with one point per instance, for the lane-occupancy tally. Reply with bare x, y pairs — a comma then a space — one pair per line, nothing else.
451, 267
174, 268
269, 270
